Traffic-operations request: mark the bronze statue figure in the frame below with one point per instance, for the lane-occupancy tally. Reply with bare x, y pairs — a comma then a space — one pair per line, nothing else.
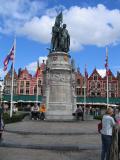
64, 39
60, 37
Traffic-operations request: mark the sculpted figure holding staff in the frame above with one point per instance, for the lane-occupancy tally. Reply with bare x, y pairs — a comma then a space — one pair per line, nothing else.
60, 37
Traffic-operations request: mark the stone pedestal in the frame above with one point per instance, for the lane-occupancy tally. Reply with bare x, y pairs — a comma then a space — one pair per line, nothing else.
59, 87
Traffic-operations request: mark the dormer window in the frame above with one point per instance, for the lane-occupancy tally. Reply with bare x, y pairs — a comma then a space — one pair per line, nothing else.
95, 77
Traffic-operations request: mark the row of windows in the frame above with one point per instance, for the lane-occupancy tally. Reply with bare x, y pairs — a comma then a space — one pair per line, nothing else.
80, 91
95, 78
98, 94
111, 86
8, 90
27, 83
8, 83
80, 82
27, 91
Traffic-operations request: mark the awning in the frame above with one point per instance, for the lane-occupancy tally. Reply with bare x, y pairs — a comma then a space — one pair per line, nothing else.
22, 98
98, 100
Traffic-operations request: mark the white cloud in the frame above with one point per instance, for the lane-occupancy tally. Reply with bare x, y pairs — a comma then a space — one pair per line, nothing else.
38, 29
2, 73
33, 65
15, 14
87, 26
102, 72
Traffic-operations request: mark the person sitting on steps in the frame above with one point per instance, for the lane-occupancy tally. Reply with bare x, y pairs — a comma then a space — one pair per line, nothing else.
79, 113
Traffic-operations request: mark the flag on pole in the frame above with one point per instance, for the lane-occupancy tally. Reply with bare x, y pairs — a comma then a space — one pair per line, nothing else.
106, 63
86, 73
9, 57
38, 69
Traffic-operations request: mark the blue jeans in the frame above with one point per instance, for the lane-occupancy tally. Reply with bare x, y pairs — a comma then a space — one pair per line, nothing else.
106, 143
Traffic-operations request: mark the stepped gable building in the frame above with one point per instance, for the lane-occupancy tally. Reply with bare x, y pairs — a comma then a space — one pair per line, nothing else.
79, 83
112, 85
8, 82
24, 82
94, 84
118, 77
27, 84
97, 86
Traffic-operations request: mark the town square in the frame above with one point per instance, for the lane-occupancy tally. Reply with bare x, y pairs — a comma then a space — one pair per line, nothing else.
59, 80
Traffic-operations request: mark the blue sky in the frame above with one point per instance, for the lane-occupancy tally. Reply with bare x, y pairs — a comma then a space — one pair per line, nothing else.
92, 24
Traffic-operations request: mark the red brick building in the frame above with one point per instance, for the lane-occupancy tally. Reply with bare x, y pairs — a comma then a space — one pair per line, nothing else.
118, 77
112, 86
24, 82
7, 82
94, 84
97, 85
79, 83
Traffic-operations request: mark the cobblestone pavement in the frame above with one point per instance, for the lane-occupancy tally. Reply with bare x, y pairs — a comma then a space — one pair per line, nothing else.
35, 140
85, 127
31, 154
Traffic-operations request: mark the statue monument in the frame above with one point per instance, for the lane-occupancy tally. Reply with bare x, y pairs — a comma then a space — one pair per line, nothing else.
60, 37
59, 76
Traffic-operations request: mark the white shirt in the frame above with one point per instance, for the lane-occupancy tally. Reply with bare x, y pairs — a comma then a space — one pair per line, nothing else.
107, 125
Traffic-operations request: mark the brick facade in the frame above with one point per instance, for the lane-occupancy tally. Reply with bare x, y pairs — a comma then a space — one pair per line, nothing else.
26, 84
97, 85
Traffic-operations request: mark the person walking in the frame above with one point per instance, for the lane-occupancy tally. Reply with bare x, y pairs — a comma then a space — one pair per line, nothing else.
106, 133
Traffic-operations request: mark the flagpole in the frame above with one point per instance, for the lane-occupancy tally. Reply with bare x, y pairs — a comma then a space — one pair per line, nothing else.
107, 77
11, 103
84, 96
84, 92
37, 91
37, 81
107, 93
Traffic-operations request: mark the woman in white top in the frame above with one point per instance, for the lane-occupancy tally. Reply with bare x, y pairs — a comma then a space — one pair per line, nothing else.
106, 133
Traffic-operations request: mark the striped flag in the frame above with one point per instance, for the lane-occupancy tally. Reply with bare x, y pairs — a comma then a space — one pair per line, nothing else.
38, 69
9, 57
86, 73
106, 63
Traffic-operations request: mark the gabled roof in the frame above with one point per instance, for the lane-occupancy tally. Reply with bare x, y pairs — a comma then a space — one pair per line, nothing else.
110, 74
42, 66
9, 74
78, 74
93, 73
24, 71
